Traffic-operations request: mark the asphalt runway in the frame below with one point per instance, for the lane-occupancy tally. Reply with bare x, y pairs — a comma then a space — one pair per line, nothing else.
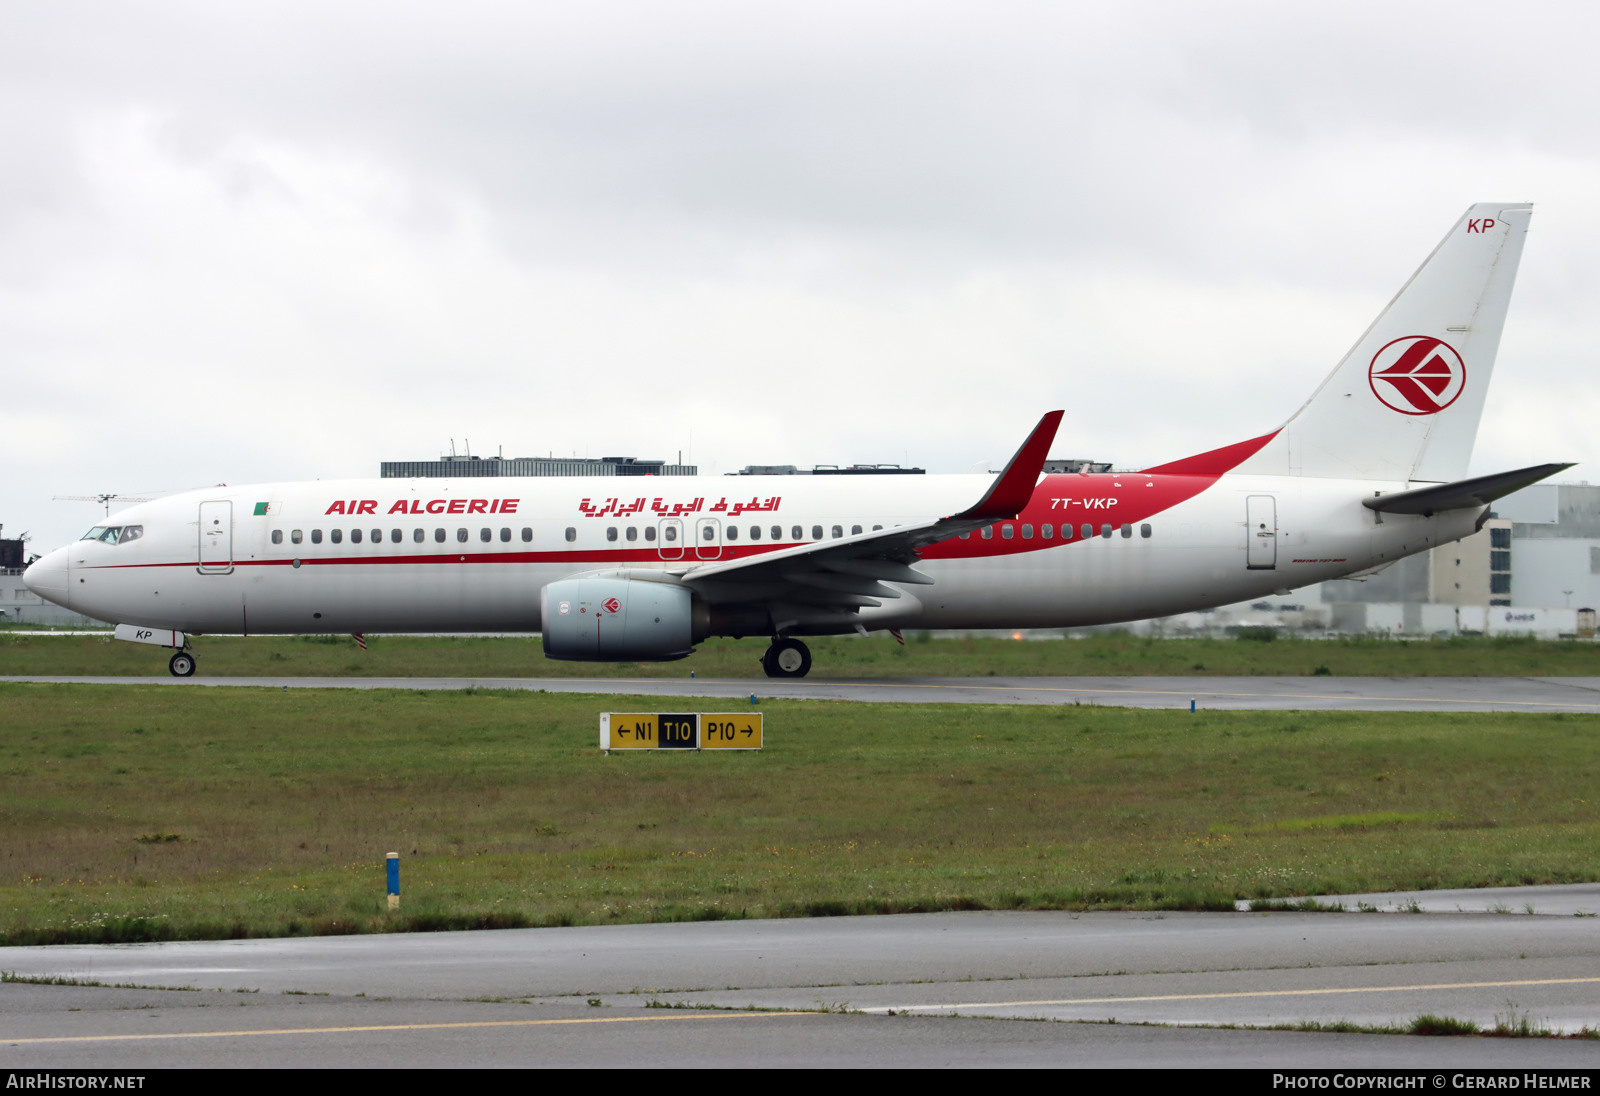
1349, 694
1123, 989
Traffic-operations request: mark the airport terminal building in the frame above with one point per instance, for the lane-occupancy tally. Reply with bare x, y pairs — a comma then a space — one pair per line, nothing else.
461, 466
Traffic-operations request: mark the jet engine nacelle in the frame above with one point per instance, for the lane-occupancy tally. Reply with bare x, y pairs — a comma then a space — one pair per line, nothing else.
610, 619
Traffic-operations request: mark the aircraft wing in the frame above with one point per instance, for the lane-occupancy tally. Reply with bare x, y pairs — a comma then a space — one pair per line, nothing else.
850, 573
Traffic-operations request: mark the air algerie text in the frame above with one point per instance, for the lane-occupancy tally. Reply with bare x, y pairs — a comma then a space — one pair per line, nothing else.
431, 506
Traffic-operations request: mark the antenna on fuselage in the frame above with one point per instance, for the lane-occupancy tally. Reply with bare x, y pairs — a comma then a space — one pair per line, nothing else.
104, 499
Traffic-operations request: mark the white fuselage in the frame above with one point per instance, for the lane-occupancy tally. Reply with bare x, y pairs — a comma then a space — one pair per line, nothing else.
474, 554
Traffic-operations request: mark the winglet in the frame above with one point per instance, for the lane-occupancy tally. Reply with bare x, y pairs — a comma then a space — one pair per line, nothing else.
1014, 487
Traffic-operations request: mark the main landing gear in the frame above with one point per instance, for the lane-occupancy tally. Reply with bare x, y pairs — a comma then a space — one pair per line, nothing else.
182, 664
787, 658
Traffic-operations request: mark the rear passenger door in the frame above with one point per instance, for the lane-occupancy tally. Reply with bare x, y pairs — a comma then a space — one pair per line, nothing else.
1261, 532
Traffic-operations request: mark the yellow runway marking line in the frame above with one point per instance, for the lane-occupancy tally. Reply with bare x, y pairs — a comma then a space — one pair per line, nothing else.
1239, 994
394, 1027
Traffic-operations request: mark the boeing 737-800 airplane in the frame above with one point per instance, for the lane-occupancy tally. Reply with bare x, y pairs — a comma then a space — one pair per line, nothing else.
1368, 471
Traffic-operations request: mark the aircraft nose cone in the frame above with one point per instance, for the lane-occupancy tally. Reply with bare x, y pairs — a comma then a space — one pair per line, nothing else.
47, 577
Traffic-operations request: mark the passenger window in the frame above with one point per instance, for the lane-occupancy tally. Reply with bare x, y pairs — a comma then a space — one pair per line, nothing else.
671, 533
633, 532
295, 537
527, 535
438, 536
611, 532
838, 531
505, 536
796, 533
1088, 530
650, 533
755, 532
733, 532
461, 536
855, 530
355, 537
1007, 531
277, 536
397, 535
816, 532
777, 533
1105, 532
316, 536
1127, 531
418, 535
486, 534
1066, 531
1045, 531
707, 533
987, 532
572, 534
336, 535
1144, 531
377, 536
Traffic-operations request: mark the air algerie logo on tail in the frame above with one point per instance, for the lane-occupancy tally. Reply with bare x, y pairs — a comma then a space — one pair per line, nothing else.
1417, 375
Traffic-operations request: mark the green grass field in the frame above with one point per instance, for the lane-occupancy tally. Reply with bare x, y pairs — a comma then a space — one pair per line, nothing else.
876, 656
143, 813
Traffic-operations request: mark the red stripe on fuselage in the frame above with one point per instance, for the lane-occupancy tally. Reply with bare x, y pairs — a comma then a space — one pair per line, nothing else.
1076, 500
1214, 462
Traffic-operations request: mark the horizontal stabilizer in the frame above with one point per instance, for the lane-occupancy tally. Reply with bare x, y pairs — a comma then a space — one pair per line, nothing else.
1461, 495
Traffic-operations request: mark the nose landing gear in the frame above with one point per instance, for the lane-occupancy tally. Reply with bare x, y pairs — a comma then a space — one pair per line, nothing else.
787, 658
182, 664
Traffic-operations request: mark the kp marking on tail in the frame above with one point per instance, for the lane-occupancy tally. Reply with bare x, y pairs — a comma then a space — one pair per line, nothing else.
1370, 470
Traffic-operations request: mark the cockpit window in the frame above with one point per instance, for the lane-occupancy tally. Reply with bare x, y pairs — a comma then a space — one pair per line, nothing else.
115, 534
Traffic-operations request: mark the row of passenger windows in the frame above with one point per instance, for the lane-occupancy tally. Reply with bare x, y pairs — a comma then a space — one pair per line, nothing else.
797, 532
1048, 532
487, 535
398, 536
669, 533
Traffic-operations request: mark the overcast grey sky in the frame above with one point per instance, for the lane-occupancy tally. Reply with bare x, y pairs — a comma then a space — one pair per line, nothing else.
255, 241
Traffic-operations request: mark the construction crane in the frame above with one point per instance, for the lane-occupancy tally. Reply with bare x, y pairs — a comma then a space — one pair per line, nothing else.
102, 499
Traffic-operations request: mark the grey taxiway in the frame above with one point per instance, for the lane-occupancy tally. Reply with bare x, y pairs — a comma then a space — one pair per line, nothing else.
1368, 694
952, 989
